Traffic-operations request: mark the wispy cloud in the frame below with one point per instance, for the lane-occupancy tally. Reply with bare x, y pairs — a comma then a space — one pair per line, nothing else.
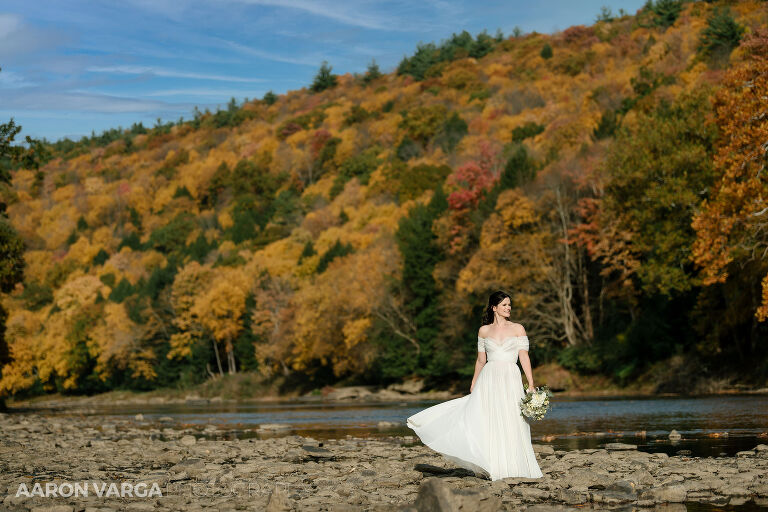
18, 39
262, 54
12, 80
221, 93
171, 73
21, 100
345, 13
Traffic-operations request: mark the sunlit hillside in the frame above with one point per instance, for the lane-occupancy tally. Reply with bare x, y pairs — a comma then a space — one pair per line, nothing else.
604, 176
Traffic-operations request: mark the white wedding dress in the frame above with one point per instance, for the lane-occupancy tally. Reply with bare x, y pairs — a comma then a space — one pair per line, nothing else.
484, 431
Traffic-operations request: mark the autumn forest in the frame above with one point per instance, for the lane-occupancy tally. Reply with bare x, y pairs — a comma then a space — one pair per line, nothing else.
610, 178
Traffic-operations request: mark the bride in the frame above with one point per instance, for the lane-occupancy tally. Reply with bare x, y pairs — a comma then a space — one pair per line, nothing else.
484, 431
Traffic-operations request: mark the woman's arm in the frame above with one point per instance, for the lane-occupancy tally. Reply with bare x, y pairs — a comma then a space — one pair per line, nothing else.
525, 362
481, 359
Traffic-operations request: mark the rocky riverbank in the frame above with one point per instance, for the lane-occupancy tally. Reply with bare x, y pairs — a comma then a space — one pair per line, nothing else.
411, 390
169, 467
403, 392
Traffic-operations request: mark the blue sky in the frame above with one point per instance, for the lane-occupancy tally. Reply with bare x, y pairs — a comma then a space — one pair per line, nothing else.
72, 67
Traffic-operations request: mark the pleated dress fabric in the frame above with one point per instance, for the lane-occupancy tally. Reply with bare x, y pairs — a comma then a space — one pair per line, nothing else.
484, 431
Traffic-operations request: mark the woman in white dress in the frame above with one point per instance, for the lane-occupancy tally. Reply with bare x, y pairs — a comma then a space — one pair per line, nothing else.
484, 431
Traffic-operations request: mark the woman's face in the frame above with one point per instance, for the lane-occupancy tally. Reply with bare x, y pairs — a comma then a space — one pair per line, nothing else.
504, 308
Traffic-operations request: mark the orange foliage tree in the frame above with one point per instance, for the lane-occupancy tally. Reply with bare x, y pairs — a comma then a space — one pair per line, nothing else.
733, 224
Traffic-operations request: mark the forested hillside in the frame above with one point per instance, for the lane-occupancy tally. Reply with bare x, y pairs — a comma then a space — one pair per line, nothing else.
611, 178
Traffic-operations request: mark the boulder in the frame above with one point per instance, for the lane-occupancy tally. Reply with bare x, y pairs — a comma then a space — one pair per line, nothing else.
435, 495
543, 449
349, 392
410, 386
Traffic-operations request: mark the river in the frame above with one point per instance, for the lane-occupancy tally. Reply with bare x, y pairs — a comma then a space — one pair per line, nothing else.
717, 425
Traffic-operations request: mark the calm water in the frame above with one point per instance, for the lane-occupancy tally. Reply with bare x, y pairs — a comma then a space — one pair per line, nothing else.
710, 425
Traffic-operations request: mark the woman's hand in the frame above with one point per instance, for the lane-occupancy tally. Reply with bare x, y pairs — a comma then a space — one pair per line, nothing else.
531, 389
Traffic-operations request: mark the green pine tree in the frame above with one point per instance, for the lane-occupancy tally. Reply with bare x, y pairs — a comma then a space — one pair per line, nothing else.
372, 73
666, 12
269, 98
420, 253
324, 79
720, 37
546, 51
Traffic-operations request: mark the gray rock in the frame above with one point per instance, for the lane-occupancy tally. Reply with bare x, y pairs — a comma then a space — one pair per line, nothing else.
641, 478
410, 386
317, 452
532, 494
349, 392
188, 440
737, 491
669, 494
141, 505
269, 427
543, 449
584, 479
570, 497
278, 501
620, 446
435, 495
188, 464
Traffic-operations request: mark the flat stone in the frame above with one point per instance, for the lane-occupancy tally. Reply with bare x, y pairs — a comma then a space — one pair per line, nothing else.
188, 440
670, 494
274, 426
570, 497
317, 452
620, 446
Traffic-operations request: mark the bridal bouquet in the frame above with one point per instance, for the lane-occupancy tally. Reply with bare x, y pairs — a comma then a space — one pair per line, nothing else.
535, 404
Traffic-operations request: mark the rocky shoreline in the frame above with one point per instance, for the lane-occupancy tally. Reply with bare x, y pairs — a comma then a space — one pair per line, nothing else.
195, 469
402, 392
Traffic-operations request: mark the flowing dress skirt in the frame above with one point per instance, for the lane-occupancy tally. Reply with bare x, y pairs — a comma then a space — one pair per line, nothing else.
483, 431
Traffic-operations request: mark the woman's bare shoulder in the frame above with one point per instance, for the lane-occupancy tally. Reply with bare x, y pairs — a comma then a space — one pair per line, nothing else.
518, 329
482, 332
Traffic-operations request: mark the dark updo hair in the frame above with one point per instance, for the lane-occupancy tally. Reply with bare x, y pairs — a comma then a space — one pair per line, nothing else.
494, 300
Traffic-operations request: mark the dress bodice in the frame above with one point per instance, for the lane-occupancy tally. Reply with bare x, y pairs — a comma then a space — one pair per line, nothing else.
504, 350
